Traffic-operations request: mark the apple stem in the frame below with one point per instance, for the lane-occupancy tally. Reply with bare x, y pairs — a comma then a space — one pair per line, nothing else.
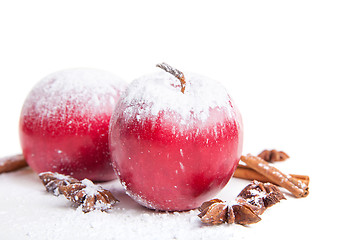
178, 74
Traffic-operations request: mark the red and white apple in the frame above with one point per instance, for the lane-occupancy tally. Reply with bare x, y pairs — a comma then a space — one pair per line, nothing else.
64, 123
175, 144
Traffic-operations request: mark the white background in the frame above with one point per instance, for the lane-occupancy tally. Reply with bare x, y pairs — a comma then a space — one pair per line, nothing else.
292, 68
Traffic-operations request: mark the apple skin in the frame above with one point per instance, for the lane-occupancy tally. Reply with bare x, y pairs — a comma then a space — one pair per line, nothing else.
167, 165
64, 123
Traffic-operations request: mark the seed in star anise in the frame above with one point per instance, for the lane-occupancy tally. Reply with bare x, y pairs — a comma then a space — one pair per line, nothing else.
273, 155
217, 211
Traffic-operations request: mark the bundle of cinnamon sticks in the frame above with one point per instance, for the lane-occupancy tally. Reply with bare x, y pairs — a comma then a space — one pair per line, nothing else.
256, 168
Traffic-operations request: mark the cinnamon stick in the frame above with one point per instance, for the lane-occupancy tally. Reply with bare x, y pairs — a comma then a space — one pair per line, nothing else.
244, 172
12, 163
296, 187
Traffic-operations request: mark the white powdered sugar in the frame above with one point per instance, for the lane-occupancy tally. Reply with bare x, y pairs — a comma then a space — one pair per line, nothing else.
257, 197
90, 188
152, 94
80, 91
27, 211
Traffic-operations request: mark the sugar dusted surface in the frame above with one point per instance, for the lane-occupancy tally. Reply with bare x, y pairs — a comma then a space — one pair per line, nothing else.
36, 214
151, 94
27, 211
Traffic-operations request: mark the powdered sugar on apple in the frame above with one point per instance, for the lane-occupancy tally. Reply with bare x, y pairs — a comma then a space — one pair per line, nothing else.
150, 95
64, 91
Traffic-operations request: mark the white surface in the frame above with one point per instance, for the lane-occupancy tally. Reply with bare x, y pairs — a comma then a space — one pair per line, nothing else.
291, 67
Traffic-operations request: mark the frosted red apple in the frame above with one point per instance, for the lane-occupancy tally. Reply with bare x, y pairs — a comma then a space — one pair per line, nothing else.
173, 150
64, 123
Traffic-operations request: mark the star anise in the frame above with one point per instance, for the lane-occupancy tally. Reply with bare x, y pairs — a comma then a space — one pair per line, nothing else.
217, 211
261, 195
85, 193
273, 155
52, 181
88, 195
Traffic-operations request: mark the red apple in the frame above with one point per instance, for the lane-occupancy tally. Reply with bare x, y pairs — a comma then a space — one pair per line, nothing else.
175, 144
64, 123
